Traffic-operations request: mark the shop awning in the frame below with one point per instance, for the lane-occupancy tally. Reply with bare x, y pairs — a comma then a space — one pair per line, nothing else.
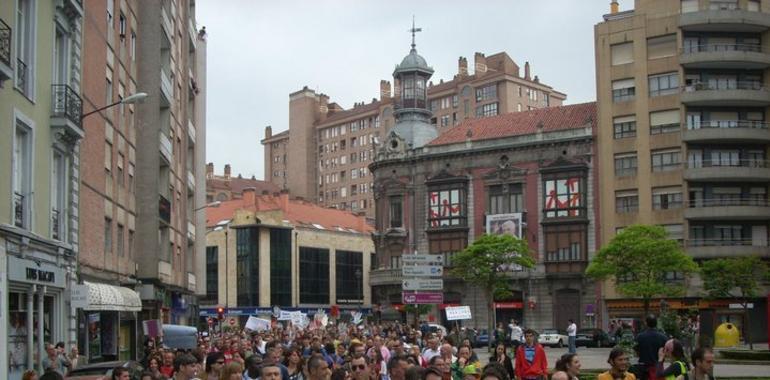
105, 297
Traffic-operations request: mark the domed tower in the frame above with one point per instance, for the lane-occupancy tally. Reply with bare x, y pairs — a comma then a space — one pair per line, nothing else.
413, 126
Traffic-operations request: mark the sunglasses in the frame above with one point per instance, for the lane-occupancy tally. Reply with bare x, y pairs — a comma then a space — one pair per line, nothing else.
356, 367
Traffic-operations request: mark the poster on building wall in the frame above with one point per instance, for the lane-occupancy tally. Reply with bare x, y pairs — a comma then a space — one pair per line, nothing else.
510, 224
94, 335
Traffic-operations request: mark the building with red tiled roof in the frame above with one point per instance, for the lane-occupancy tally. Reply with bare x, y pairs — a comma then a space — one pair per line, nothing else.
530, 174
265, 249
226, 187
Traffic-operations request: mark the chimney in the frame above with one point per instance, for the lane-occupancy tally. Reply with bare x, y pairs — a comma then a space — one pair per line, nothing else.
210, 170
537, 80
384, 89
480, 64
284, 199
361, 222
614, 7
462, 66
227, 171
396, 88
323, 107
526, 70
249, 195
268, 132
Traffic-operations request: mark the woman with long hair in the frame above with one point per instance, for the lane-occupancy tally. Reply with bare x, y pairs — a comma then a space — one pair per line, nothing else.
377, 364
294, 362
674, 352
153, 366
619, 365
215, 361
501, 356
567, 367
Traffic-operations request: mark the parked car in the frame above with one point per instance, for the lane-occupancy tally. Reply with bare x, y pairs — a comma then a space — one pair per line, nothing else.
103, 371
593, 338
482, 338
553, 338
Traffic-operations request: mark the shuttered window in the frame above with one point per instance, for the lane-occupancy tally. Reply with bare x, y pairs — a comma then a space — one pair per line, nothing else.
622, 53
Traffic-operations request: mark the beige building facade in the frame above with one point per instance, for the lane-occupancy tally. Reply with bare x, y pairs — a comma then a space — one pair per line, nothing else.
682, 93
325, 153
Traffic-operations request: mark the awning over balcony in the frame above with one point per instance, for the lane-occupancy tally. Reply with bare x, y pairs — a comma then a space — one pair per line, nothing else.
105, 297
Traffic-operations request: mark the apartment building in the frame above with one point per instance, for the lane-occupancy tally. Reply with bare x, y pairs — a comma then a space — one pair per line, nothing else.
40, 140
170, 185
682, 90
325, 153
226, 187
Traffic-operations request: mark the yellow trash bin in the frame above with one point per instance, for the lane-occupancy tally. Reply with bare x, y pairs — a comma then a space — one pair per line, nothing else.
727, 335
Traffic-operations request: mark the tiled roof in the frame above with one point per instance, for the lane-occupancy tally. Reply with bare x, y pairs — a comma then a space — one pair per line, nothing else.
339, 115
519, 123
297, 212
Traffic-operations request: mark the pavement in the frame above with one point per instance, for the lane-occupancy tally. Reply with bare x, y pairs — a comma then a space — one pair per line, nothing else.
596, 358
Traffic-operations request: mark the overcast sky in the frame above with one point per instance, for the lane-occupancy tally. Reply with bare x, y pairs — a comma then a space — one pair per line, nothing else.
259, 51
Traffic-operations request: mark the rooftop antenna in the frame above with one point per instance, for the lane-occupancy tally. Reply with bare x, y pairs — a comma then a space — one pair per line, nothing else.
413, 31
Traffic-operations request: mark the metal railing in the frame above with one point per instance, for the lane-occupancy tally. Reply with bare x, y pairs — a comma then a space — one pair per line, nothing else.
727, 202
5, 43
56, 224
721, 242
66, 103
725, 85
718, 47
728, 124
18, 210
21, 75
727, 163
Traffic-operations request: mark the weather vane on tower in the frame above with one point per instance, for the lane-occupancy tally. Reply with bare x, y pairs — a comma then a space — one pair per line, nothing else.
414, 30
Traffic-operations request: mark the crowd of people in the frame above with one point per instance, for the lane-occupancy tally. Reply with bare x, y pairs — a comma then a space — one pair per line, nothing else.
390, 351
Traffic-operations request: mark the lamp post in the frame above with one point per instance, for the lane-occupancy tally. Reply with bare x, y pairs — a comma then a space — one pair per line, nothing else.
226, 227
131, 99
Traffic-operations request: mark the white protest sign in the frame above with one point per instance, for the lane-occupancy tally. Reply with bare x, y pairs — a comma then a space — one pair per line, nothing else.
285, 315
257, 324
454, 313
297, 317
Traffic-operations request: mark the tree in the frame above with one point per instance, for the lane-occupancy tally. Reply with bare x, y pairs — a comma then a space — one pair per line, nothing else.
417, 311
638, 259
738, 278
481, 264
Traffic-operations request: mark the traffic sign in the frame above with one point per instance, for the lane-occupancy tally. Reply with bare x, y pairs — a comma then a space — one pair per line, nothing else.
423, 259
422, 270
411, 298
422, 284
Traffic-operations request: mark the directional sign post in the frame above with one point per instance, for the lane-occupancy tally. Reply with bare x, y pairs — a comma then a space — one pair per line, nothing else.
411, 298
422, 284
422, 270
422, 259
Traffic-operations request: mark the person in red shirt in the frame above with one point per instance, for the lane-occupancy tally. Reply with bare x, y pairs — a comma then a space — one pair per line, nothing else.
167, 369
531, 363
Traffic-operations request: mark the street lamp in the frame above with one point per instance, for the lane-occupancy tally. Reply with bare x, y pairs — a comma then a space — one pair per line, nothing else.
212, 204
225, 225
131, 99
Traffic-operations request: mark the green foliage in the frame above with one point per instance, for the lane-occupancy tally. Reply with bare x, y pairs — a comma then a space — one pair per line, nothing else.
479, 263
419, 309
642, 255
734, 277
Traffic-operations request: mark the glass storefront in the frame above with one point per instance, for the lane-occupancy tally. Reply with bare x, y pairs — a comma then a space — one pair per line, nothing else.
18, 329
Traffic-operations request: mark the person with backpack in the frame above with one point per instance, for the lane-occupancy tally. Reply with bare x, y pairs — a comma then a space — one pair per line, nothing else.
674, 352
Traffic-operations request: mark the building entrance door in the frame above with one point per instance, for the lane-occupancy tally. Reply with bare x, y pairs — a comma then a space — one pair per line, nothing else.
566, 306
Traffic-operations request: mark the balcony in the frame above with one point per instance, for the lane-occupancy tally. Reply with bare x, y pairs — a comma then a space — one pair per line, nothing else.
732, 170
728, 209
726, 93
717, 248
166, 151
164, 210
6, 69
190, 132
724, 17
725, 56
166, 88
727, 131
190, 232
390, 276
66, 109
190, 181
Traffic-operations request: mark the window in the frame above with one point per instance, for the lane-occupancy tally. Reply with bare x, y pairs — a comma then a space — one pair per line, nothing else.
666, 198
689, 6
107, 235
660, 47
565, 243
133, 45
212, 273
313, 275
753, 6
108, 93
446, 208
675, 231
626, 201
247, 266
486, 93
445, 120
447, 244
22, 178
120, 238
445, 102
58, 195
121, 179
664, 122
122, 26
131, 242
108, 157
349, 277
505, 199
723, 5
625, 164
486, 110
395, 262
563, 196
396, 211
623, 90
25, 47
664, 84
280, 267
61, 57
622, 53
666, 160
624, 126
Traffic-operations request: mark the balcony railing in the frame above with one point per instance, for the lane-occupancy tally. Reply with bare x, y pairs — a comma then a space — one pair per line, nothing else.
728, 202
727, 163
710, 48
719, 242
715, 5
725, 85
727, 124
18, 210
5, 43
66, 103
56, 224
